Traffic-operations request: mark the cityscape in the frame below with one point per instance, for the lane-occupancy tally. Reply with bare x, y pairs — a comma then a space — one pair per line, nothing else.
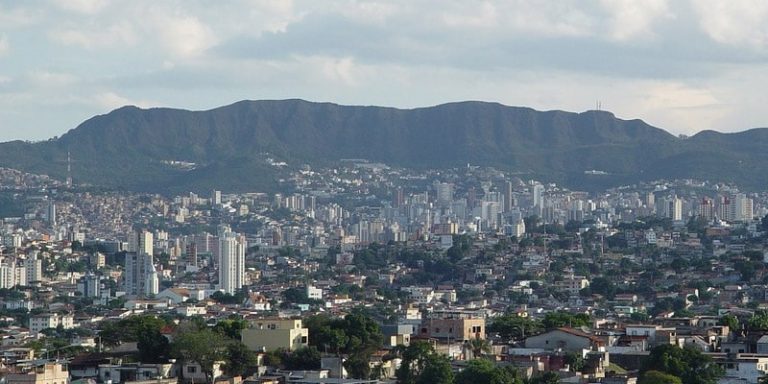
383, 192
363, 265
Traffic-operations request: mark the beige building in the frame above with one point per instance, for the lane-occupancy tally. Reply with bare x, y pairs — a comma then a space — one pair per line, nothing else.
271, 334
572, 284
50, 320
453, 326
49, 373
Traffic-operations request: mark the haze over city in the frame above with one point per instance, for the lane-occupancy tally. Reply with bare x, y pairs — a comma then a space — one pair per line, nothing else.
684, 66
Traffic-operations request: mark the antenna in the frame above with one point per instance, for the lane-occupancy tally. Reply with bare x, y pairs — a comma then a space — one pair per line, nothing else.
69, 170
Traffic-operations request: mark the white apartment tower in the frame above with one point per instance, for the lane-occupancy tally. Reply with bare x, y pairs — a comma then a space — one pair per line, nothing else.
232, 261
33, 267
139, 265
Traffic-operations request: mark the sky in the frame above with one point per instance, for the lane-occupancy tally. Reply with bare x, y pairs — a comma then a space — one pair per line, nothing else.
681, 65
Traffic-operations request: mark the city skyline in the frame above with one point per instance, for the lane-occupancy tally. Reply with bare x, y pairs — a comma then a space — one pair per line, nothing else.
682, 66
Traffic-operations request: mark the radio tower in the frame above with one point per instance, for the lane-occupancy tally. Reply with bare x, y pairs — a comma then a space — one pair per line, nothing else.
69, 171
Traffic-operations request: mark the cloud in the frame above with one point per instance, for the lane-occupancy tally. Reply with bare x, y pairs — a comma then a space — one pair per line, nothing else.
116, 35
18, 16
740, 23
4, 45
49, 79
631, 19
183, 35
111, 100
88, 7
682, 65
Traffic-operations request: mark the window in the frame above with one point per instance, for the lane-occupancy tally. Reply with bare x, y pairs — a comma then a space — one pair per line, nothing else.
303, 339
191, 369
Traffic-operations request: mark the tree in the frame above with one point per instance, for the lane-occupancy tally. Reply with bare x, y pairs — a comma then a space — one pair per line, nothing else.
201, 346
656, 377
512, 326
478, 346
231, 328
414, 359
575, 361
437, 370
603, 286
128, 330
306, 358
239, 360
690, 365
548, 377
731, 321
758, 321
565, 319
358, 367
485, 371
153, 346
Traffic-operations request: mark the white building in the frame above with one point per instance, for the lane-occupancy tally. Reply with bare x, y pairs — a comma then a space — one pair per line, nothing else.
50, 320
33, 267
314, 293
232, 261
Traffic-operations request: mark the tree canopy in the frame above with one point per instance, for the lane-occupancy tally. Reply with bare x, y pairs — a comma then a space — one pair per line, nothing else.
687, 364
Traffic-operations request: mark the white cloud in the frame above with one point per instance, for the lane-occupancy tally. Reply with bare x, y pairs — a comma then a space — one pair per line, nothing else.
183, 35
483, 16
343, 70
18, 16
110, 100
679, 65
630, 19
96, 37
739, 23
49, 79
683, 108
88, 7
4, 45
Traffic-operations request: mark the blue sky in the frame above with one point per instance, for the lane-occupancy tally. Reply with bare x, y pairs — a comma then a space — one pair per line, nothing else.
682, 65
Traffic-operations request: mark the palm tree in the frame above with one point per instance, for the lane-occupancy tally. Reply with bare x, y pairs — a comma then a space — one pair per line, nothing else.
478, 346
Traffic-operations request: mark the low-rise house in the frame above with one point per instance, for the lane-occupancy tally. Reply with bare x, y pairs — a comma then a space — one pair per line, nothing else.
43, 321
271, 334
566, 339
45, 373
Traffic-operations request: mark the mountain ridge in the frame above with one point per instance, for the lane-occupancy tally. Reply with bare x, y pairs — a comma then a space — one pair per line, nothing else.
128, 147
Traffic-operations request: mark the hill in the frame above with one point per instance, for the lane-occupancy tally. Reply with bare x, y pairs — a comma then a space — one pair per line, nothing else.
132, 148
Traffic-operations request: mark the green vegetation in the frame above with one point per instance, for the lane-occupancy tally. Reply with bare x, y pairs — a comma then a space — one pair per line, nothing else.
485, 371
128, 147
688, 365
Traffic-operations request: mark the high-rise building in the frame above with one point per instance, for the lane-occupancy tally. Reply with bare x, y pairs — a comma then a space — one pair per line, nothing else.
232, 261
444, 193
141, 242
33, 267
536, 191
138, 268
89, 285
741, 208
52, 213
706, 208
191, 253
216, 197
509, 199
11, 275
398, 198
152, 281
